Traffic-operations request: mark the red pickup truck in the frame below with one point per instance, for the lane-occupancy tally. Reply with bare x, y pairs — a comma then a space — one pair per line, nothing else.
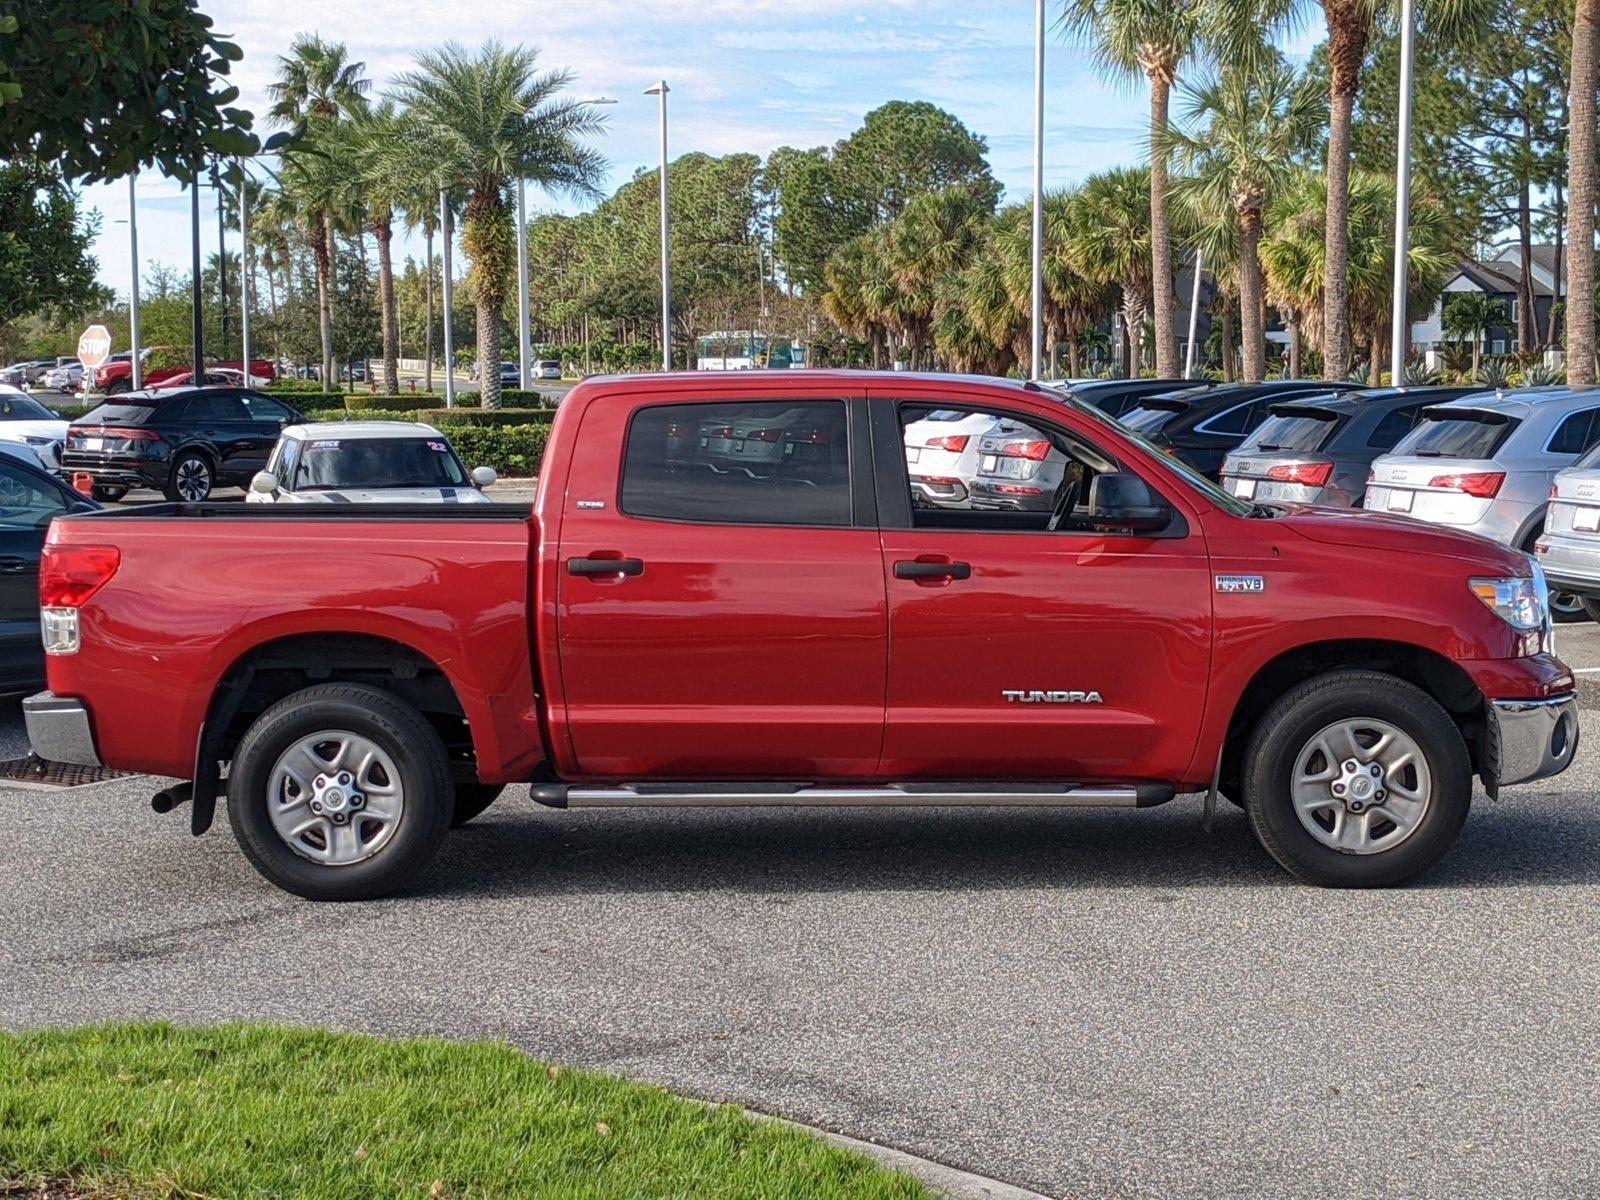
116, 376
728, 593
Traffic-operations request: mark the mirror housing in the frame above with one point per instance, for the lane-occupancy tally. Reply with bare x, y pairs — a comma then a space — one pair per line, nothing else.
482, 477
264, 482
1122, 502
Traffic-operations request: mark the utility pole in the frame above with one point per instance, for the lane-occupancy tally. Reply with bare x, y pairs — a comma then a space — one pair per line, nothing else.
447, 227
1036, 370
133, 296
661, 90
1399, 343
194, 278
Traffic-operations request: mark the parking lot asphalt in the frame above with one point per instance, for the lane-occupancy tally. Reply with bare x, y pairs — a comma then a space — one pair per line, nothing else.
1087, 1003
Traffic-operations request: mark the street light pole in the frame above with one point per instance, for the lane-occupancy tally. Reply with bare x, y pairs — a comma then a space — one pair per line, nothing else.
661, 90
1194, 314
133, 296
447, 228
1399, 342
524, 333
1037, 330
194, 277
244, 271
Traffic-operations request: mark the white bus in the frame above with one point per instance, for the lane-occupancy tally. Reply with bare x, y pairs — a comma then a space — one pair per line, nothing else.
744, 350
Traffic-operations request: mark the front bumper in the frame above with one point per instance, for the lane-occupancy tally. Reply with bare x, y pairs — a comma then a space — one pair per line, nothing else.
1529, 739
59, 731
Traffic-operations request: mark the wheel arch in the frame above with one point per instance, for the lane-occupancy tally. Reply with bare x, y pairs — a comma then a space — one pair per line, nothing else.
1427, 669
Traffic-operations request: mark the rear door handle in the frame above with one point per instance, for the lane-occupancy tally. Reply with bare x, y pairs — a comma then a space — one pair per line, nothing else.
605, 566
923, 568
11, 564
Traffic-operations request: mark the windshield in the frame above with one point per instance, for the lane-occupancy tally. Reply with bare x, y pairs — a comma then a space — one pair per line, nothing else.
20, 408
1178, 467
1463, 436
400, 462
1306, 431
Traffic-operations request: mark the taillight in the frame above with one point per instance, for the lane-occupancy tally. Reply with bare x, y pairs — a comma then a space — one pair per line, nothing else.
1013, 489
1309, 474
809, 437
675, 430
955, 443
1555, 492
721, 431
69, 575
764, 435
1034, 450
1485, 485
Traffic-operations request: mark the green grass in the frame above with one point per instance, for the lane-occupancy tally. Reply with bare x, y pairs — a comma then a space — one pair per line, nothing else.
260, 1111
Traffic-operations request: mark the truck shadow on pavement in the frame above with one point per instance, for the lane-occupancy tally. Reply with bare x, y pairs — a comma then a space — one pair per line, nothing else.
517, 848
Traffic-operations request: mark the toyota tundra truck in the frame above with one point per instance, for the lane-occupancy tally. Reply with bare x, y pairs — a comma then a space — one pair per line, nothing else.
729, 592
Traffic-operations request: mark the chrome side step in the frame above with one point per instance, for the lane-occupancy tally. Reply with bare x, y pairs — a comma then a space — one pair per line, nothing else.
774, 795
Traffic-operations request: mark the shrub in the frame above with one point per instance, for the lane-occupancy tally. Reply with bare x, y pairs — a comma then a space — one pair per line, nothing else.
511, 398
513, 450
483, 416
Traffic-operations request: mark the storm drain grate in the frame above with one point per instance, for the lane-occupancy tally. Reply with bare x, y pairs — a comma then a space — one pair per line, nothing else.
36, 770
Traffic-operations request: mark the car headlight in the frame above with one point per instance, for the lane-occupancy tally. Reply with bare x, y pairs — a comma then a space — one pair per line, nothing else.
1522, 602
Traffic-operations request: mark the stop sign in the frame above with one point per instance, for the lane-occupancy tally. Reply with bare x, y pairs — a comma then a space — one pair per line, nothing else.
94, 346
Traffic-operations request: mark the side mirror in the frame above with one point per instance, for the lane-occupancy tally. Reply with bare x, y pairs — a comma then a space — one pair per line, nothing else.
264, 482
1120, 501
483, 477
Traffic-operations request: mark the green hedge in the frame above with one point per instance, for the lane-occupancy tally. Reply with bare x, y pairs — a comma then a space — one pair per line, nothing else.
71, 412
513, 451
510, 398
484, 416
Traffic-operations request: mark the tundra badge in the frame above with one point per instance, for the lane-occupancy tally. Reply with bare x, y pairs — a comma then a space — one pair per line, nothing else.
1021, 697
1241, 583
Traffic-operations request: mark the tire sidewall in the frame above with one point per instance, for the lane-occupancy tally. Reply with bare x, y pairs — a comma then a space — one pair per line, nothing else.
177, 465
1310, 708
424, 776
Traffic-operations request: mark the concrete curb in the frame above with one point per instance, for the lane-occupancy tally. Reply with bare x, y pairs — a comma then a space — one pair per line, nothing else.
950, 1182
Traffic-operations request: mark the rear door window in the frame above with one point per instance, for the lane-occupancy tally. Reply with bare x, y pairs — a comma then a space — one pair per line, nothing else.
752, 463
1234, 421
1576, 433
1395, 425
214, 407
1464, 436
1306, 432
119, 414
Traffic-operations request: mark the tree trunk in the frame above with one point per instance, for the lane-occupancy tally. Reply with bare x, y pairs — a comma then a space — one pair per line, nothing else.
1227, 341
1375, 363
1556, 305
1580, 197
383, 231
1294, 344
427, 287
1161, 232
490, 243
1074, 355
323, 256
1477, 353
1254, 328
1349, 25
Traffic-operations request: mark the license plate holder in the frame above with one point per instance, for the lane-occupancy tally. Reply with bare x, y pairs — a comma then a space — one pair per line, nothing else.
913, 454
989, 463
1400, 500
1245, 489
1586, 520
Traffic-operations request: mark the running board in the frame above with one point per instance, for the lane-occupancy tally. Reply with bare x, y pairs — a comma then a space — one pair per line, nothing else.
731, 795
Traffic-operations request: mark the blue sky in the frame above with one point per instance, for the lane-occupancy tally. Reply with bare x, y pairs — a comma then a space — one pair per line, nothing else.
746, 75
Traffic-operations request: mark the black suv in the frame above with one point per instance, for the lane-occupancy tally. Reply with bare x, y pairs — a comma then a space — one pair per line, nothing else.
185, 442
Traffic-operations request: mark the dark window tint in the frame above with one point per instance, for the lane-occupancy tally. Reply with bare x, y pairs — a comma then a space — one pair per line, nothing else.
215, 406
1456, 437
767, 463
1575, 434
328, 464
1394, 426
20, 408
1148, 419
26, 501
1237, 420
118, 414
265, 408
1303, 431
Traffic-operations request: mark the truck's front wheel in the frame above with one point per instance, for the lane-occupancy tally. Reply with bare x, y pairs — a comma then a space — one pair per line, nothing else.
340, 792
1357, 779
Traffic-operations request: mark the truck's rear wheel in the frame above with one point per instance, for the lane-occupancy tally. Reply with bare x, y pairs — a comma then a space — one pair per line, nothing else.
1357, 779
340, 792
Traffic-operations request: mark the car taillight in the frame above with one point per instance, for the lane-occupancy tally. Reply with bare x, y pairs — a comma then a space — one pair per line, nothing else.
809, 437
1485, 485
1309, 474
764, 435
721, 431
955, 443
1034, 450
1013, 489
69, 575
112, 431
1555, 492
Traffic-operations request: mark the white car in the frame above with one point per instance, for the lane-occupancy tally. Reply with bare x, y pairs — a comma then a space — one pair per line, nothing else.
367, 462
547, 368
942, 456
26, 422
68, 377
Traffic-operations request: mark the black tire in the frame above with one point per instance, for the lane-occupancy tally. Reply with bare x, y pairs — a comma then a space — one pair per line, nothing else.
472, 799
118, 386
108, 493
190, 465
1591, 608
402, 732
1290, 725
1566, 608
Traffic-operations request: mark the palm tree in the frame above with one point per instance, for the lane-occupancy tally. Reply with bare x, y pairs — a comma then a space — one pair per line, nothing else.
317, 87
383, 189
1109, 242
858, 287
1246, 126
1469, 315
1154, 39
931, 239
1581, 196
484, 120
1350, 27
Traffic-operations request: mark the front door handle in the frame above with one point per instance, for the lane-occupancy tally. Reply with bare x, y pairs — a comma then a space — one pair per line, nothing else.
601, 565
930, 568
11, 564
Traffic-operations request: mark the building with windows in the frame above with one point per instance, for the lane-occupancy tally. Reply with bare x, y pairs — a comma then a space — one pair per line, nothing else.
1500, 277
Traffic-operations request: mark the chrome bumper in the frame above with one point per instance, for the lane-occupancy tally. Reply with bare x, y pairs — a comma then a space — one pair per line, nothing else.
1530, 739
58, 729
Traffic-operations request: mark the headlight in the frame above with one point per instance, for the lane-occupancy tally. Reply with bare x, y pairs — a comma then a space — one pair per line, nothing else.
1518, 601
38, 441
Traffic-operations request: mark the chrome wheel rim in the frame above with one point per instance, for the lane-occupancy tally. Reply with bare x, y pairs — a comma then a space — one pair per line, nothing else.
1565, 603
1361, 786
335, 797
194, 479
